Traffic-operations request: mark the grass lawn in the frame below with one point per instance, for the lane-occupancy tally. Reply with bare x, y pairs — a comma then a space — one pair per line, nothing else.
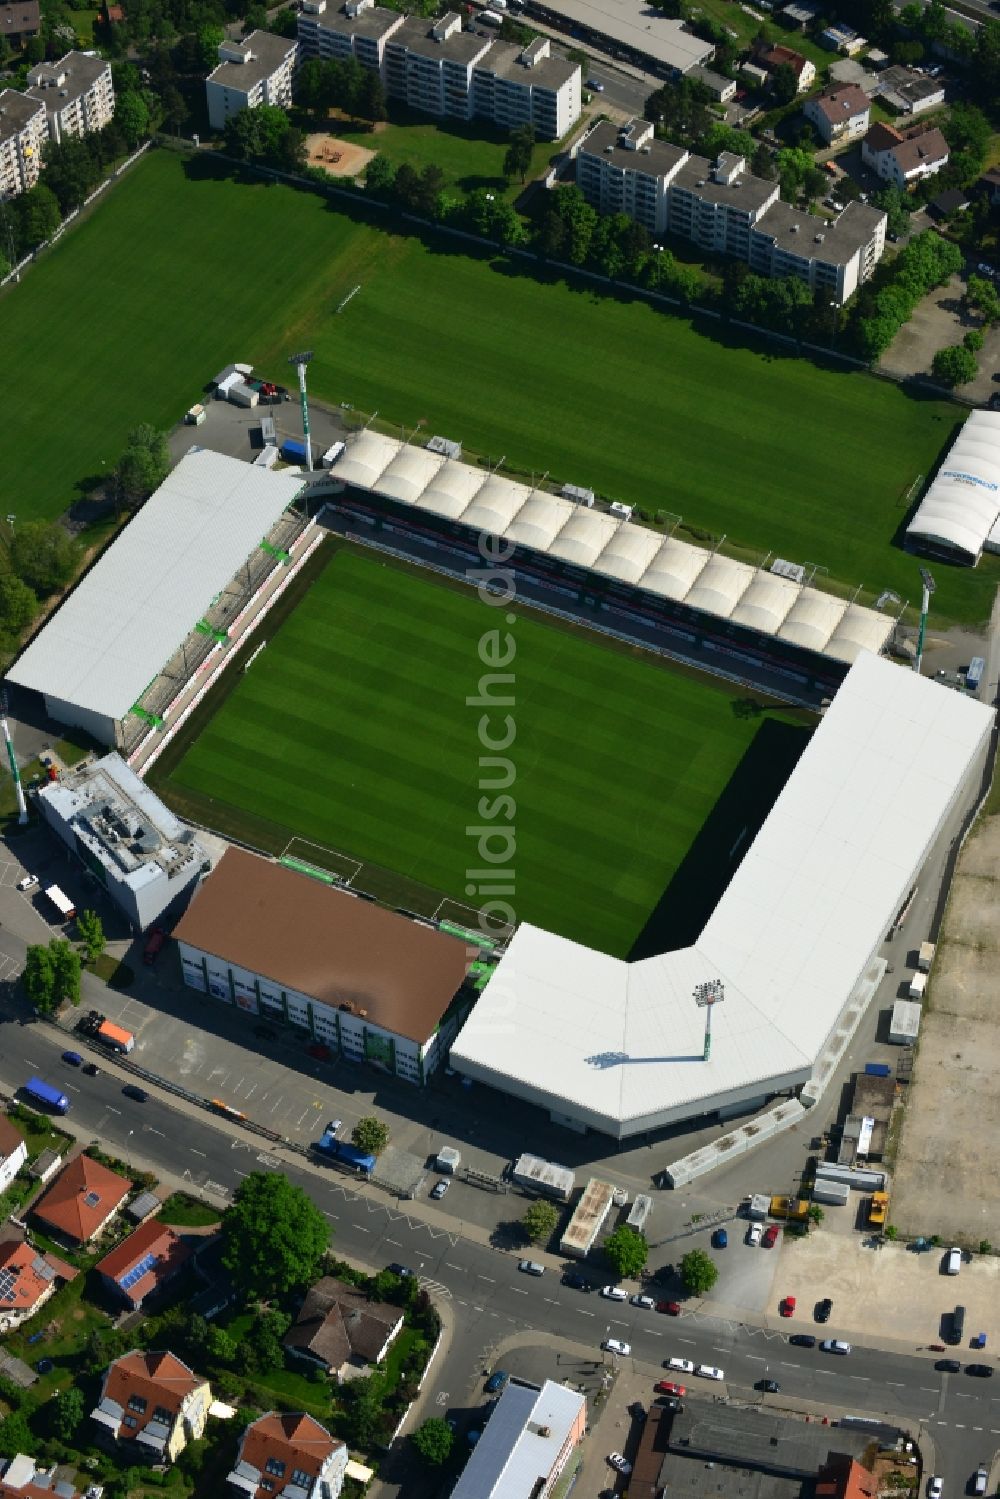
781, 455
352, 730
181, 1211
470, 155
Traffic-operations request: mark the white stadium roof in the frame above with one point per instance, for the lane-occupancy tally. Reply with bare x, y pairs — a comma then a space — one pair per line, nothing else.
618, 1046
962, 505
591, 538
129, 614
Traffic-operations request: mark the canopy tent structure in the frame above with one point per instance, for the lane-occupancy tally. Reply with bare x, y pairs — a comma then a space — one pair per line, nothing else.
962, 506
619, 1047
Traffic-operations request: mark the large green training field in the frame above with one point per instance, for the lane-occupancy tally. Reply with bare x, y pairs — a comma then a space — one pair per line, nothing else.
352, 730
174, 275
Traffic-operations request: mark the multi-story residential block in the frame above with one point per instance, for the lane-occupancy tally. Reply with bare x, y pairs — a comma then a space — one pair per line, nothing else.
725, 209
441, 69
839, 114
358, 29
153, 1403
259, 70
904, 160
23, 133
76, 91
770, 58
288, 1456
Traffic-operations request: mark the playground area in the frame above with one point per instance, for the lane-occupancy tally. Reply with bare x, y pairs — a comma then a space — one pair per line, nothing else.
339, 158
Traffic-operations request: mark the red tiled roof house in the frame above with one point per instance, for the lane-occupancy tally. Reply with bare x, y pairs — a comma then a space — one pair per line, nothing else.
83, 1198
27, 1280
285, 1456
154, 1403
13, 1152
143, 1262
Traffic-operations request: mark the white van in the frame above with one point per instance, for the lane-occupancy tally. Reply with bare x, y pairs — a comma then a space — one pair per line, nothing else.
980, 1479
614, 1293
953, 1262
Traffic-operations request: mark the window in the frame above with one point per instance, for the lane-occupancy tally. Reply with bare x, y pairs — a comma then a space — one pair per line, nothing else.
137, 1403
131, 1422
162, 1414
304, 1480
276, 1466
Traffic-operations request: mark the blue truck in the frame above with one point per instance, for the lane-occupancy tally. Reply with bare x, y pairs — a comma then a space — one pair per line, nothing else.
293, 451
339, 1151
974, 675
46, 1095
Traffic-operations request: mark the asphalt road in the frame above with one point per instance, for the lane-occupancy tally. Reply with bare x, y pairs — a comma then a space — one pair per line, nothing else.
492, 1300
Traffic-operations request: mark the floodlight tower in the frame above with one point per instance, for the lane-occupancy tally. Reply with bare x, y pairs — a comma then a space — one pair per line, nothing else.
300, 361
22, 809
925, 604
712, 992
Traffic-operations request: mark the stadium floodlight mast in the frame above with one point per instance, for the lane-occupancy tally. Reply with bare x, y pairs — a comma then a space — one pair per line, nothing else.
300, 361
706, 995
925, 603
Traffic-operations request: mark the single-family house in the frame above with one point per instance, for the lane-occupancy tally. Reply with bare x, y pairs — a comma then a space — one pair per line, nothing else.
287, 1455
13, 1152
839, 114
904, 160
770, 58
27, 1279
153, 1403
23, 1477
339, 1329
82, 1199
143, 1262
20, 21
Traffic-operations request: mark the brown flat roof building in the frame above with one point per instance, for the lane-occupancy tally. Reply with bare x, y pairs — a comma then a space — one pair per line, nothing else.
273, 940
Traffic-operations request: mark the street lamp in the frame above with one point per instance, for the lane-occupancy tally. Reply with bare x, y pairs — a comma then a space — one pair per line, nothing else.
925, 603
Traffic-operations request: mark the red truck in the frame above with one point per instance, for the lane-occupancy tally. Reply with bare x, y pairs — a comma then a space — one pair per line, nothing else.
154, 942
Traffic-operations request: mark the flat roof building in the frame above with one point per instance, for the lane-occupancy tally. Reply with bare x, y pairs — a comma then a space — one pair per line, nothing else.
23, 132
94, 658
145, 857
834, 258
614, 1046
358, 29
527, 1443
630, 30
77, 93
258, 70
372, 984
909, 92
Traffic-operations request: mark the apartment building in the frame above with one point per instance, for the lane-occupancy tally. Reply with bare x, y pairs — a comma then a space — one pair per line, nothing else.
358, 29
76, 92
904, 160
23, 133
725, 210
152, 1404
516, 85
831, 258
288, 1455
259, 70
839, 114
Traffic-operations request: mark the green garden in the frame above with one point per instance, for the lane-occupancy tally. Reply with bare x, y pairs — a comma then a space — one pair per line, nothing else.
181, 271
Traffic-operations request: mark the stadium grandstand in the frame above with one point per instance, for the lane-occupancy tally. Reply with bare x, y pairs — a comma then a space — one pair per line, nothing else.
959, 516
162, 597
664, 580
795, 940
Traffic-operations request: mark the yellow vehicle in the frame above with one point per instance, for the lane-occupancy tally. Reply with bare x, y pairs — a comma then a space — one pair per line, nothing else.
795, 1209
878, 1209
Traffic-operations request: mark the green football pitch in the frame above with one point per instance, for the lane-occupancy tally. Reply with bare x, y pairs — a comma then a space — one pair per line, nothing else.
352, 731
178, 271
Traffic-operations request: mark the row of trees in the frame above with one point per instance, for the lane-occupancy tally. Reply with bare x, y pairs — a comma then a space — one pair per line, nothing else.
266, 135
888, 301
340, 84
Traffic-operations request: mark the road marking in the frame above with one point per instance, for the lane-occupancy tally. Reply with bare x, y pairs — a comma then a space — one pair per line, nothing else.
827, 1372
151, 1131
450, 1266
720, 1350
193, 1151
977, 1428
790, 1366
513, 1288
394, 1241
894, 1384
690, 1341
246, 1173
73, 1087
756, 1358
584, 1313
492, 1280
326, 1210
927, 1389
863, 1377
959, 1425
112, 1110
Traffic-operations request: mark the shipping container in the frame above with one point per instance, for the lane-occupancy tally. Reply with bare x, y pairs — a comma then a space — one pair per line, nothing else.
867, 1180
545, 1177
925, 957
332, 454
905, 1022
588, 1219
115, 1037
293, 451
241, 395
918, 983
837, 1194
62, 902
46, 1095
877, 1069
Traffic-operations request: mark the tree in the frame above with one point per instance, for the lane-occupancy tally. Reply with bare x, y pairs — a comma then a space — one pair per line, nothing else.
175, 110
426, 195
955, 365
370, 1135
550, 240
209, 38
517, 160
67, 1411
38, 216
292, 153
380, 176
816, 1214
433, 1441
40, 979
70, 171
91, 930
18, 604
580, 220
974, 340
132, 114
144, 464
311, 87
15, 1434
699, 1272
66, 971
44, 555
261, 1349
891, 1232
893, 200
985, 1247
681, 111
255, 19
539, 1221
273, 1237
784, 84
981, 295
762, 163
220, 1345
721, 137
371, 97
627, 1251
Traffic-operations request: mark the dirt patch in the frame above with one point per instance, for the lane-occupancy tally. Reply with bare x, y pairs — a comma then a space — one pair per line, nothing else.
946, 1180
339, 158
938, 322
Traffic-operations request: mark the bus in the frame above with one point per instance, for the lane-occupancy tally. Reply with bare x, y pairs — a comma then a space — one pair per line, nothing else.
62, 903
46, 1095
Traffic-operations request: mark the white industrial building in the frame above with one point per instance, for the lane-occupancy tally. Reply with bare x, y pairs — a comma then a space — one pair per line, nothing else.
97, 655
618, 1047
618, 549
146, 859
259, 70
959, 516
527, 1443
628, 29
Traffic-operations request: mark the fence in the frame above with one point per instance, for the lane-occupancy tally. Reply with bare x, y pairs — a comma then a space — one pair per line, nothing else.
15, 273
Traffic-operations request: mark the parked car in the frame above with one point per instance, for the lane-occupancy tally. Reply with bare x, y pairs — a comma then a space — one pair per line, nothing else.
615, 1345
803, 1340
73, 1058
438, 1191
26, 882
720, 1239
667, 1387
835, 1345
138, 1095
948, 1366
669, 1308
91, 1069
576, 1282
401, 1270
637, 1410
980, 1371
754, 1234
787, 1306
619, 1463
935, 1488
530, 1267
768, 1386
669, 1403
952, 1261
709, 1371
614, 1293
595, 85
823, 1309
682, 1365
643, 1301
496, 1382
771, 1236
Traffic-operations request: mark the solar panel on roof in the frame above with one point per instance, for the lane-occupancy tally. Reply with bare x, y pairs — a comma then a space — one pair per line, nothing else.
43, 1269
136, 1273
91, 1200
8, 1279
